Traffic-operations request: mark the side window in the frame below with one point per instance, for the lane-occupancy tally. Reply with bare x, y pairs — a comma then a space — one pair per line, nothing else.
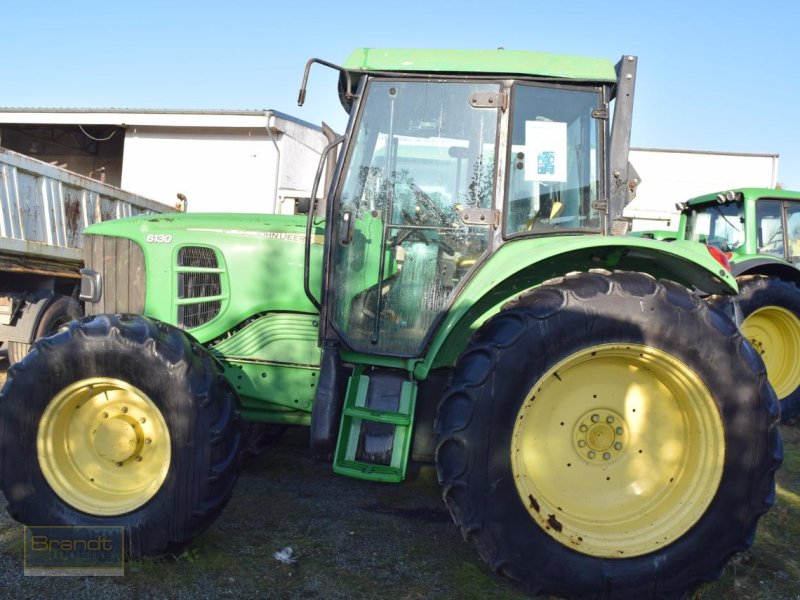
793, 230
769, 227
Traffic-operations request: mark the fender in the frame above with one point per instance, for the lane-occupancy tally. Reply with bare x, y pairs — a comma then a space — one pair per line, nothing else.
766, 265
509, 272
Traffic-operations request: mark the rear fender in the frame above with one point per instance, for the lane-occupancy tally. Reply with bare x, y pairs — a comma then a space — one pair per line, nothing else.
526, 263
772, 267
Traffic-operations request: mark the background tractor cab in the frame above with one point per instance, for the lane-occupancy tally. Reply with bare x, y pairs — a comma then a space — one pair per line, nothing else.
759, 231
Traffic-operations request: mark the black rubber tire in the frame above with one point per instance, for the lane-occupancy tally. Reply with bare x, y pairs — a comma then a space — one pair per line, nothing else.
759, 291
60, 311
184, 382
510, 353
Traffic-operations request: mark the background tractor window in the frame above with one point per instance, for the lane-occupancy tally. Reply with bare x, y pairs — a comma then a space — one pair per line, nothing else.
718, 225
769, 227
793, 230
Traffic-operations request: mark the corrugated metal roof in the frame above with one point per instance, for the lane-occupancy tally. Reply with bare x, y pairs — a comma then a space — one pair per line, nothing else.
144, 116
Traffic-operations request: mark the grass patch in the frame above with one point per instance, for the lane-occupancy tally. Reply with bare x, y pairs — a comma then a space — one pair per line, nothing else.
770, 570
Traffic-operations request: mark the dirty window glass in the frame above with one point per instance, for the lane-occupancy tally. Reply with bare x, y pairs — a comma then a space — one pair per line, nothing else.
424, 156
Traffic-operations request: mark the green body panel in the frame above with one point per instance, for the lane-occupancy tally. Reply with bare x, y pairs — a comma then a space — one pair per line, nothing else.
261, 260
266, 332
655, 234
747, 258
515, 62
273, 363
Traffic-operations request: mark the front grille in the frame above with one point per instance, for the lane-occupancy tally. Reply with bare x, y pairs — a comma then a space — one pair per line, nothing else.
199, 285
120, 263
194, 315
194, 256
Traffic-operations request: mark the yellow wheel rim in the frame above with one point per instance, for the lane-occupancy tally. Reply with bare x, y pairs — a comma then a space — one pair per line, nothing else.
103, 446
618, 450
775, 333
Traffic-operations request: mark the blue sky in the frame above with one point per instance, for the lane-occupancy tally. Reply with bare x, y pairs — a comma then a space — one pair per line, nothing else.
713, 75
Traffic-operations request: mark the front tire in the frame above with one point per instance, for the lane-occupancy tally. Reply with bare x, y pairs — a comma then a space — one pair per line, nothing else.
607, 434
119, 421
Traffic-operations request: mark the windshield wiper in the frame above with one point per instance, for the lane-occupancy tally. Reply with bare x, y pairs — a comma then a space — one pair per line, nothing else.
721, 214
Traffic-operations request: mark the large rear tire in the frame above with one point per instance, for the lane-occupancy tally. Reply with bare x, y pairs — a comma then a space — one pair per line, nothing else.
769, 309
608, 435
119, 421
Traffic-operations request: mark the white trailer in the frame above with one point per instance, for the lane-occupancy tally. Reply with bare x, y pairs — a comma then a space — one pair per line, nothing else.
671, 176
43, 212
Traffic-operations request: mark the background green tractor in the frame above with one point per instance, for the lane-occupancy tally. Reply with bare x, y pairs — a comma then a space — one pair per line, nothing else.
759, 230
457, 297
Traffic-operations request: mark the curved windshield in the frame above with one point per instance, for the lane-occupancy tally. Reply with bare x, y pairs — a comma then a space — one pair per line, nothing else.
553, 161
718, 225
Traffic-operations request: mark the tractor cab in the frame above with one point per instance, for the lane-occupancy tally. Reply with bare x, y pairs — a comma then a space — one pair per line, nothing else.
450, 156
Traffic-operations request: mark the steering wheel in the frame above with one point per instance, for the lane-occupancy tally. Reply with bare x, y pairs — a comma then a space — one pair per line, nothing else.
421, 197
426, 236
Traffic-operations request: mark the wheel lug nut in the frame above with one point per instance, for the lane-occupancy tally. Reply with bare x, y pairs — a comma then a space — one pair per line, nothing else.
619, 430
124, 409
609, 419
584, 428
119, 464
142, 420
595, 418
147, 440
618, 445
138, 459
581, 443
606, 455
105, 415
591, 454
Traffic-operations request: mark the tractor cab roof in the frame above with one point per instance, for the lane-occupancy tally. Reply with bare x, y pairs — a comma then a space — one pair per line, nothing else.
482, 62
744, 194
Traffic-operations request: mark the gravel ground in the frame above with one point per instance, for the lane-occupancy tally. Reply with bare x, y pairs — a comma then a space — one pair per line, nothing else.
354, 539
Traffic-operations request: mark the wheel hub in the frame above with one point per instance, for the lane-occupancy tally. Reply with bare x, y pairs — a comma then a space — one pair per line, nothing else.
117, 440
600, 436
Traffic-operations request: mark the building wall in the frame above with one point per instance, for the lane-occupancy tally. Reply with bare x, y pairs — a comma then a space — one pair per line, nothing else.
671, 176
222, 170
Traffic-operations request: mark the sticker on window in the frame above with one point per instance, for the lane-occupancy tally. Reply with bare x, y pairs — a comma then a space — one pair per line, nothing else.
546, 145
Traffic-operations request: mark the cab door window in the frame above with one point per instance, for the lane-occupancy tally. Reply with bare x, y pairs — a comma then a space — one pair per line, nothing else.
769, 228
793, 230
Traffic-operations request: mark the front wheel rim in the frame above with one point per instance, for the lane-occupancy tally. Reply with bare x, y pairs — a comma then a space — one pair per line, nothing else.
775, 334
618, 450
103, 446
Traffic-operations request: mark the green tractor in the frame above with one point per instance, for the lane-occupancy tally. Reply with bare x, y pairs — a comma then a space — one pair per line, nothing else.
457, 297
759, 231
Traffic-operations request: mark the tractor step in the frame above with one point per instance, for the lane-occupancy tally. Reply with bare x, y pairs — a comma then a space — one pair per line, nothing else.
377, 419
